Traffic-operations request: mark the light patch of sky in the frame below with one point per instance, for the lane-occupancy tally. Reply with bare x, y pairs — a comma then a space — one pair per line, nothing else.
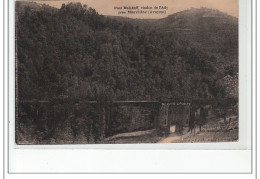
106, 7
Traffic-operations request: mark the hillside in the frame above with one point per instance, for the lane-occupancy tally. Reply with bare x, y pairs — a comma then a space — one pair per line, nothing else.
71, 55
78, 53
212, 30
208, 29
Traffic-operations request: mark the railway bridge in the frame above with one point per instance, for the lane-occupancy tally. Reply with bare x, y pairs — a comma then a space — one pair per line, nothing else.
107, 118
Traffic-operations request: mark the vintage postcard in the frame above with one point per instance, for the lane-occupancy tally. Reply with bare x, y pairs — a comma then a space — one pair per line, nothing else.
126, 72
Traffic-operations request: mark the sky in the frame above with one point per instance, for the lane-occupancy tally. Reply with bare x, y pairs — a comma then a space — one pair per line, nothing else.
106, 7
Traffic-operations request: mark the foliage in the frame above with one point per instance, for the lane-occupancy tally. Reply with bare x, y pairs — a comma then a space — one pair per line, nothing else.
75, 53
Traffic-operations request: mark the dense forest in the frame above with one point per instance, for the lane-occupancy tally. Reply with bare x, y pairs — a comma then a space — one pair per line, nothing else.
75, 53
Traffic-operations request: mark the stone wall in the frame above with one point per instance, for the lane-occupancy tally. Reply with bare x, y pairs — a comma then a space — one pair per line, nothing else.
179, 114
173, 114
133, 118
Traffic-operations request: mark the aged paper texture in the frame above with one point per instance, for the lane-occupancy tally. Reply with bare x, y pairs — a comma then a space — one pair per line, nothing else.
126, 71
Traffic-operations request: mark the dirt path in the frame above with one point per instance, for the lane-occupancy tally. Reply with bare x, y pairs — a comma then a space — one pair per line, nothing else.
216, 130
131, 134
170, 139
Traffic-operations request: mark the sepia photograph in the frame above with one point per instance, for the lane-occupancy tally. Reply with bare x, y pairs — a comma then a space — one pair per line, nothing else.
126, 72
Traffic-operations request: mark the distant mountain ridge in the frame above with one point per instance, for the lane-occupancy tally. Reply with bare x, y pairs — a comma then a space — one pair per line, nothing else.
74, 51
209, 29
